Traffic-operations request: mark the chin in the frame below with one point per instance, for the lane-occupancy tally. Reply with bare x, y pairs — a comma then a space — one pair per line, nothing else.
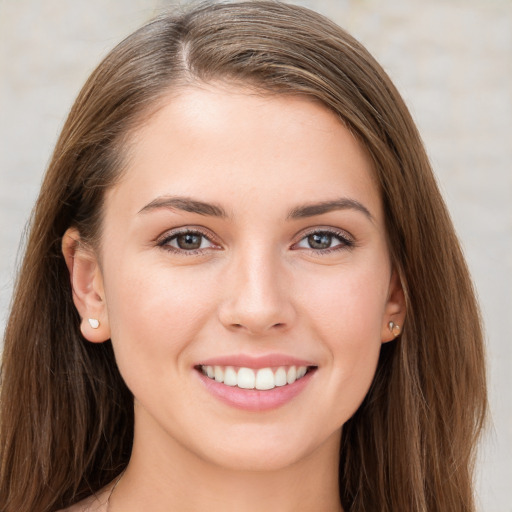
262, 451
267, 460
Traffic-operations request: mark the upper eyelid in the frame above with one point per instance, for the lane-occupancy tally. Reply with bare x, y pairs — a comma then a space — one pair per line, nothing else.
342, 233
347, 241
164, 242
214, 239
171, 233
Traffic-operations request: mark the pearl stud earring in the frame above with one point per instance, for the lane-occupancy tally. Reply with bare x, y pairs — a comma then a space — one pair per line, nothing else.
394, 328
94, 323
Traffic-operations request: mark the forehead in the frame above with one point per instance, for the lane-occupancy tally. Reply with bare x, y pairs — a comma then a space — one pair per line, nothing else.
222, 141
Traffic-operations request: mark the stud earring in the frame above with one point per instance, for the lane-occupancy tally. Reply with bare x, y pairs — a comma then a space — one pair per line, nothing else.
94, 323
394, 328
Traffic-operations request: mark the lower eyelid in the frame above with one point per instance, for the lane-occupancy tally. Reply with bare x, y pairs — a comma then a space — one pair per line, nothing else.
343, 241
166, 240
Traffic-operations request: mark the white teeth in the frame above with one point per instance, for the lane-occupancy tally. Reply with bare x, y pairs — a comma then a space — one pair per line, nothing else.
246, 378
301, 371
230, 376
265, 379
280, 377
219, 374
262, 379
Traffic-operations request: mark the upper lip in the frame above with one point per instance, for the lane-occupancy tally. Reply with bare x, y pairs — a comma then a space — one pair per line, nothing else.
255, 362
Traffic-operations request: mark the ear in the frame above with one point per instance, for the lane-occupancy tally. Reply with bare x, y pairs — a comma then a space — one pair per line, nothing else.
87, 287
394, 311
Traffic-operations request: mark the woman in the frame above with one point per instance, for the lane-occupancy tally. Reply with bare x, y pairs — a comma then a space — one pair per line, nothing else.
242, 289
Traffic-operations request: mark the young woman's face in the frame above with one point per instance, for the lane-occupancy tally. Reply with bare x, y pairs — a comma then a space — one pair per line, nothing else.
244, 245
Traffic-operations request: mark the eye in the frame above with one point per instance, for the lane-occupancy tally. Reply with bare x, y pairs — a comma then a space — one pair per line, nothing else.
325, 241
188, 241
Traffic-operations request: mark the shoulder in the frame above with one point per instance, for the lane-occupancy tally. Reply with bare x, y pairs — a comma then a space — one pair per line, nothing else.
95, 503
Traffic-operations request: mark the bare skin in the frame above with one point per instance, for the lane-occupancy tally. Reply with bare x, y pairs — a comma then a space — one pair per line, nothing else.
276, 245
95, 503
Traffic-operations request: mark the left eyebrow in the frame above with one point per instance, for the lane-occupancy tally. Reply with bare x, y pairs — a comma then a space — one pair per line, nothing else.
186, 204
344, 203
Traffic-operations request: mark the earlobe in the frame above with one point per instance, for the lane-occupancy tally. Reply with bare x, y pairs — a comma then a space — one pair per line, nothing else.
87, 287
394, 314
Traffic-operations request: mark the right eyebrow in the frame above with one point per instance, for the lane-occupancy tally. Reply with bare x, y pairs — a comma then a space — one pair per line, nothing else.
186, 204
344, 203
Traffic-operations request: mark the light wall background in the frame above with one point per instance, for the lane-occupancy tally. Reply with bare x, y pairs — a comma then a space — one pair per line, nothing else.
451, 60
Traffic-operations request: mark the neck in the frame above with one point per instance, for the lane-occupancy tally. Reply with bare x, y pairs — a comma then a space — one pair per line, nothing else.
164, 476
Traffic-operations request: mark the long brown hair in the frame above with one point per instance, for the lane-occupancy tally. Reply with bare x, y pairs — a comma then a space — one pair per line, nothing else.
66, 419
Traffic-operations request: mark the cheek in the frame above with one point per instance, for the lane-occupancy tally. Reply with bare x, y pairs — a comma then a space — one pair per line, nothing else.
154, 313
346, 315
349, 306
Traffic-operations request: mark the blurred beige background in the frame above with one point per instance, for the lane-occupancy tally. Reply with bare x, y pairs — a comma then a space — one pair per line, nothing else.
452, 61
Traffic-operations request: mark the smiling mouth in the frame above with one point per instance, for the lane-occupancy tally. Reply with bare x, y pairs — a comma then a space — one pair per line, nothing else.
262, 379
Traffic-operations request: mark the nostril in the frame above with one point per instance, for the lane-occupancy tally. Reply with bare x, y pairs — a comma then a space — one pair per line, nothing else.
279, 325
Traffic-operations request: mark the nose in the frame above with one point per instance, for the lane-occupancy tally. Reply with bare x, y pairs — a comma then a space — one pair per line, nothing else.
257, 295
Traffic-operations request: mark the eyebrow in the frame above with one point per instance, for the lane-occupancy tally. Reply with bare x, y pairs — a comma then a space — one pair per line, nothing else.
186, 204
344, 203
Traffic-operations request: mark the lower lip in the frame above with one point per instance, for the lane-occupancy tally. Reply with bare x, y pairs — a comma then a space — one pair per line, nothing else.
254, 399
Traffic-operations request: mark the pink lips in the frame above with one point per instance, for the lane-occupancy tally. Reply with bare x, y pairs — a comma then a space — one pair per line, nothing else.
267, 361
253, 399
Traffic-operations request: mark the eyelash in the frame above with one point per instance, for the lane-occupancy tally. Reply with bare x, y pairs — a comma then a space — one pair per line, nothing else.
168, 238
346, 242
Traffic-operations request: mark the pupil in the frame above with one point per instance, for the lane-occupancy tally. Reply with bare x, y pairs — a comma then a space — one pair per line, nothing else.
189, 241
320, 241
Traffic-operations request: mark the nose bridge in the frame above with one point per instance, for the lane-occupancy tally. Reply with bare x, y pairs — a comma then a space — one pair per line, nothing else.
256, 296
